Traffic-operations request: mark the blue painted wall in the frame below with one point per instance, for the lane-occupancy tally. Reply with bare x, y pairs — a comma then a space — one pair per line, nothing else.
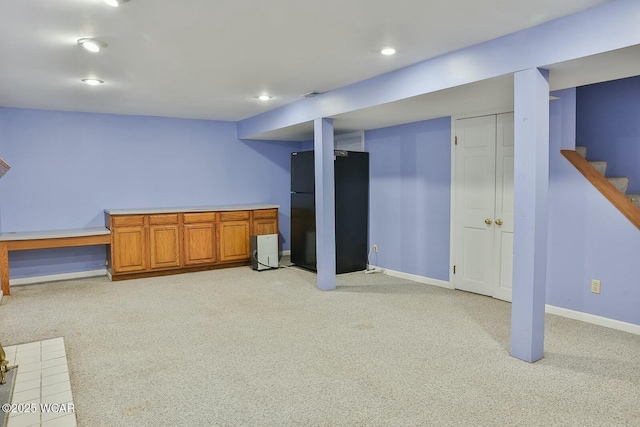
68, 167
588, 237
410, 188
608, 124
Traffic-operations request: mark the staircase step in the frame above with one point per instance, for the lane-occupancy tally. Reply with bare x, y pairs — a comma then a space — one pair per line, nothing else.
582, 151
621, 183
635, 198
601, 167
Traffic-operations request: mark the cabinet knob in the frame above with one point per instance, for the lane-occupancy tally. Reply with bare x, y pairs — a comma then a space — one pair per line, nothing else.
498, 221
488, 221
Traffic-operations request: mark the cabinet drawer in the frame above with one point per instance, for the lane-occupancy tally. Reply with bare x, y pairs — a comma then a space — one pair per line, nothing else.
126, 220
234, 216
190, 218
265, 226
265, 213
163, 219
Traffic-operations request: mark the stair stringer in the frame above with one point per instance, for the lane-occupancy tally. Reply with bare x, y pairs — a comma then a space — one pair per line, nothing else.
608, 190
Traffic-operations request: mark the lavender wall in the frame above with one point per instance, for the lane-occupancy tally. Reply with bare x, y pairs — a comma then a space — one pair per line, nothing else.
68, 167
410, 186
608, 123
588, 237
565, 255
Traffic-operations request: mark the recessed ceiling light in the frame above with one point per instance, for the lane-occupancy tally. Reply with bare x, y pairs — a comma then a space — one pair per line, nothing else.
92, 82
115, 3
92, 45
264, 97
388, 51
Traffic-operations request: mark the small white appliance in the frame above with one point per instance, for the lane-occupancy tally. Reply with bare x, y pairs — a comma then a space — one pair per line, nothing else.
264, 252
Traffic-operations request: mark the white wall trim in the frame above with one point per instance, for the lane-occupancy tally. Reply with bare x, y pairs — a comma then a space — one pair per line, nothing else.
452, 211
285, 253
413, 277
550, 309
57, 277
1, 295
592, 318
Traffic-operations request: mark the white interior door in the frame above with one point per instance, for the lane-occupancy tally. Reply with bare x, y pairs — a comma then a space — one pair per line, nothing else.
503, 230
475, 204
483, 208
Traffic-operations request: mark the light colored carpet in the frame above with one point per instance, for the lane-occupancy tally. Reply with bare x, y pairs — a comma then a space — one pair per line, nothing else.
236, 347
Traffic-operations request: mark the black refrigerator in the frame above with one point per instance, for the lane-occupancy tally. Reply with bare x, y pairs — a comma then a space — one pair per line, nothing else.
351, 176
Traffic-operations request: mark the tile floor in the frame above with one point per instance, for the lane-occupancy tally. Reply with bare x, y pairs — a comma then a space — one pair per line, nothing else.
42, 393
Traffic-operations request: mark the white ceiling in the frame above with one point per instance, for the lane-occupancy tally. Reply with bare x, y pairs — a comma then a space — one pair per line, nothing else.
207, 59
476, 98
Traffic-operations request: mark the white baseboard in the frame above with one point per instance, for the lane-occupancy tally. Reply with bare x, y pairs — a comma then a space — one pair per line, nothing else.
414, 277
57, 277
558, 311
1, 295
592, 318
285, 253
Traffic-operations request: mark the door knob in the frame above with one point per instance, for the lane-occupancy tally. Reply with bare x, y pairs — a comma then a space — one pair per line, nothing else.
498, 221
488, 221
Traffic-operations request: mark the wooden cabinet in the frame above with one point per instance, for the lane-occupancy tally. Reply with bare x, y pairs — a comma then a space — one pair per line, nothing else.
265, 226
129, 249
234, 241
164, 241
190, 241
235, 230
265, 221
200, 243
164, 245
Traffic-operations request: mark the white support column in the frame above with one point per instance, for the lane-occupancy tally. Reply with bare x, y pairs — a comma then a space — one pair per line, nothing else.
325, 205
531, 188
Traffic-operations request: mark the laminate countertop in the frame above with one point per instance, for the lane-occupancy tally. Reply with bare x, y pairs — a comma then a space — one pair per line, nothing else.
54, 234
178, 209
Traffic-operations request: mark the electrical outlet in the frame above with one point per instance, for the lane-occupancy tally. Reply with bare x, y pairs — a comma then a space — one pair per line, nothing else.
595, 286
375, 247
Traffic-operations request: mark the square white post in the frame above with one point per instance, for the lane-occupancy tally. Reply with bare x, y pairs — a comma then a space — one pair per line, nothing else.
325, 204
531, 188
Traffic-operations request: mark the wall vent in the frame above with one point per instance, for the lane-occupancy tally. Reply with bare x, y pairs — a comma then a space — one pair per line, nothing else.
312, 94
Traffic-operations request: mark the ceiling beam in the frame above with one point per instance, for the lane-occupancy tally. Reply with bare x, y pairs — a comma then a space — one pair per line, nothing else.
597, 30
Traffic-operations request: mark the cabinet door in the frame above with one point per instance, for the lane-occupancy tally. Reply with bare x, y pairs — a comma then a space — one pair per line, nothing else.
129, 249
265, 226
199, 243
234, 241
165, 246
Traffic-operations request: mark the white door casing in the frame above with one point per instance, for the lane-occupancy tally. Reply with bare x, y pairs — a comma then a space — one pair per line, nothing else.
483, 194
503, 248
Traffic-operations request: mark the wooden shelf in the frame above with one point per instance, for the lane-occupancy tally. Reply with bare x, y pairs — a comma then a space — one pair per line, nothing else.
4, 167
607, 189
47, 240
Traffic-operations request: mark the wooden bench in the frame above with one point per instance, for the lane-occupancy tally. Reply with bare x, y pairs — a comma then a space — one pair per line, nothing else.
46, 240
